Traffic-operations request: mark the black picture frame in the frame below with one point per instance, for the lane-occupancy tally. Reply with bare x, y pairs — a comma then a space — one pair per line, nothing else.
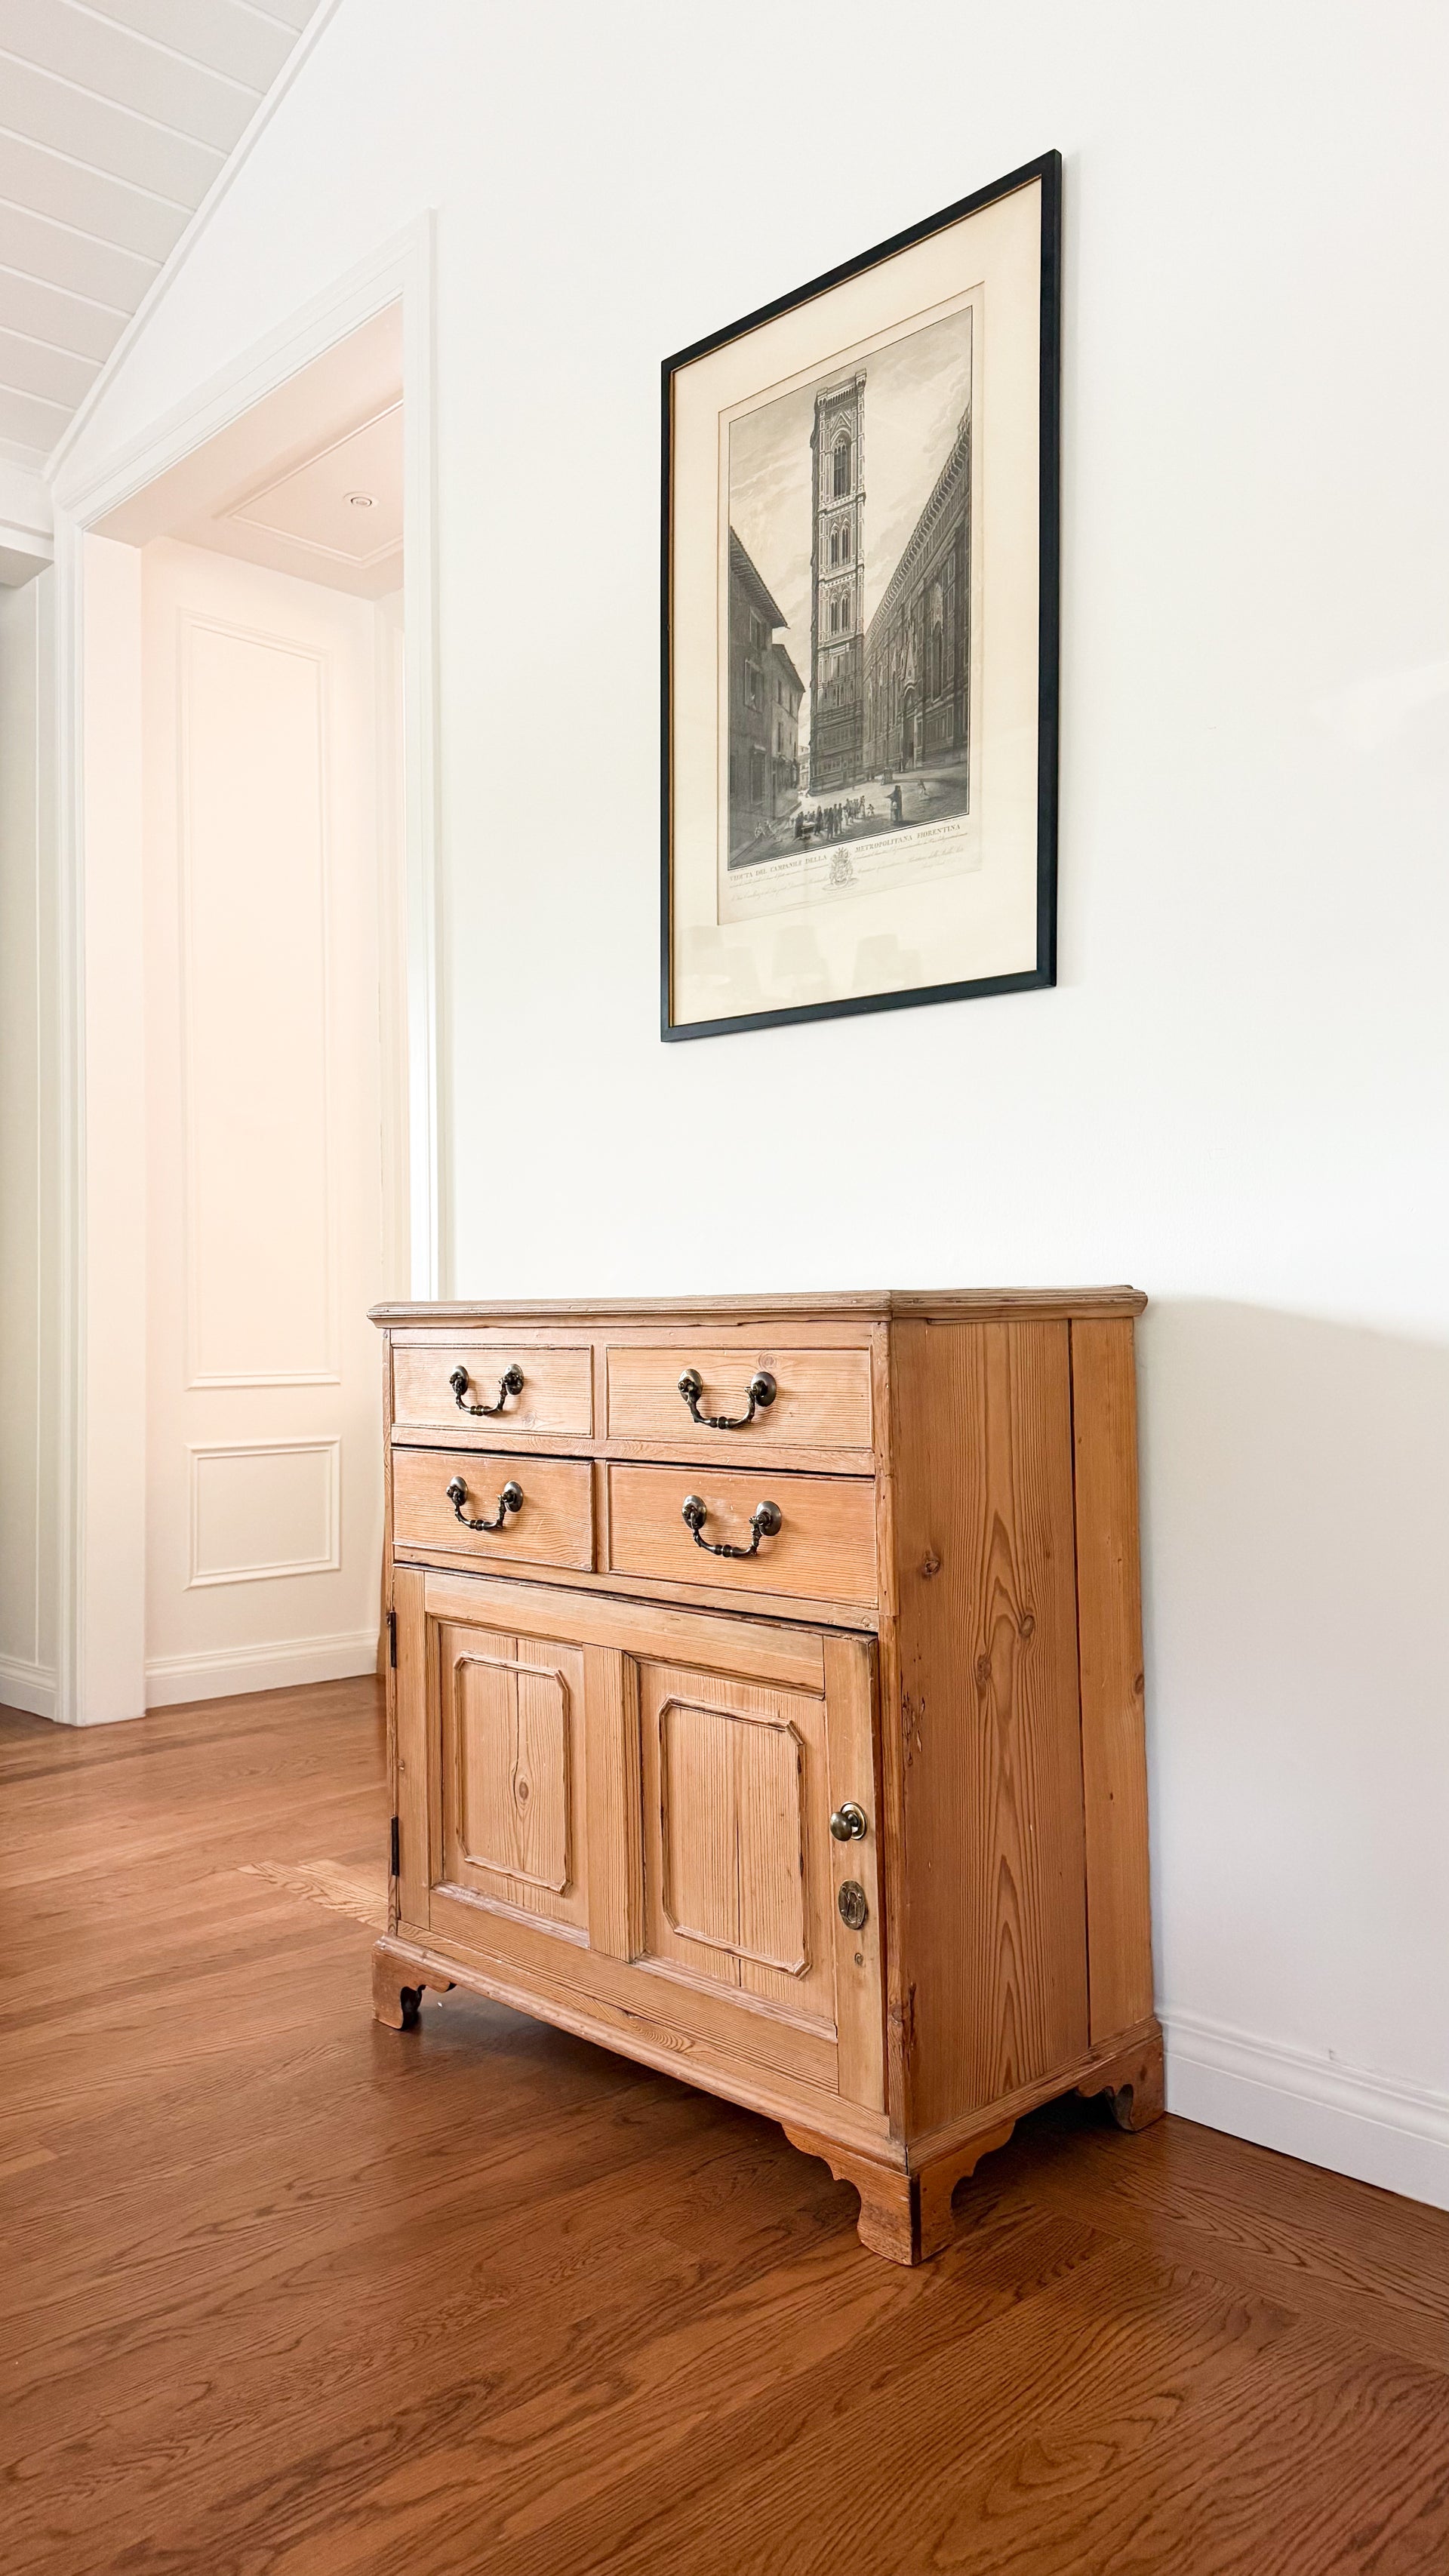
1047, 172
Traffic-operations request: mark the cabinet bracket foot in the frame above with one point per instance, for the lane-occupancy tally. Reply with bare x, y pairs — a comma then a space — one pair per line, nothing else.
904, 2216
1132, 2083
399, 1975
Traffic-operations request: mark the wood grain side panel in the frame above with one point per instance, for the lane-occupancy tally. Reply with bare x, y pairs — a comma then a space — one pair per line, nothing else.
890, 1749
994, 1932
1109, 1617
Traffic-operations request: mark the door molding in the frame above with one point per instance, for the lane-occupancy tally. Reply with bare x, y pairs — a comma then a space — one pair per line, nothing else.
326, 1446
101, 1670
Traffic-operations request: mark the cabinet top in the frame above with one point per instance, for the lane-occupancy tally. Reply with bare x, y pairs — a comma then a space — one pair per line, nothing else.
946, 1304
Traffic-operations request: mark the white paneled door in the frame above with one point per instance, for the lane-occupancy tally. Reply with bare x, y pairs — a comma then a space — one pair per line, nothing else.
267, 770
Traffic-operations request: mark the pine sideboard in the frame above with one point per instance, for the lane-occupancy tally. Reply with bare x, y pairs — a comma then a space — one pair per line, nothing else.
765, 1702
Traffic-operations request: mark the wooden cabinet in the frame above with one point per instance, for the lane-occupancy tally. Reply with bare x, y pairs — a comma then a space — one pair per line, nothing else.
782, 1727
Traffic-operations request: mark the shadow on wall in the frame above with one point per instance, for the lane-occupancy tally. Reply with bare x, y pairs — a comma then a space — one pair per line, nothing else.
1295, 1481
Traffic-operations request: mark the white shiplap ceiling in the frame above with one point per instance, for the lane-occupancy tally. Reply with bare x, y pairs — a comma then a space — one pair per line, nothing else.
116, 119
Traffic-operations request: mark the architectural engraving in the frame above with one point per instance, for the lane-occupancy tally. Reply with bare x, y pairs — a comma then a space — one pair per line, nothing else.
837, 585
918, 644
864, 775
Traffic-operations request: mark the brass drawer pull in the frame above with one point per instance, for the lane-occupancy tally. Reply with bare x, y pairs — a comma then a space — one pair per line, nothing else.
510, 1500
848, 1823
761, 1391
510, 1383
764, 1521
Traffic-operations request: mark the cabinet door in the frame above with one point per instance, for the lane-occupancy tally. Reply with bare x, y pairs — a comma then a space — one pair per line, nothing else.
509, 1750
742, 1875
632, 1803
736, 1833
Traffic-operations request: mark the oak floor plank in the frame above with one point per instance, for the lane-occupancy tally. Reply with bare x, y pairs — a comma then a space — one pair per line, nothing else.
1375, 2266
286, 2294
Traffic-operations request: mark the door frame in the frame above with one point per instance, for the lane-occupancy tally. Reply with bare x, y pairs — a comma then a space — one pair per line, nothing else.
99, 1041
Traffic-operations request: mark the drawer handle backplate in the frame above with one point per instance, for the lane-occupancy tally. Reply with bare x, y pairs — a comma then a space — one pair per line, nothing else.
764, 1521
510, 1500
761, 1393
510, 1383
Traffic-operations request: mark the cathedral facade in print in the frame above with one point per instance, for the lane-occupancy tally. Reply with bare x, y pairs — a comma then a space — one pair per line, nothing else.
850, 560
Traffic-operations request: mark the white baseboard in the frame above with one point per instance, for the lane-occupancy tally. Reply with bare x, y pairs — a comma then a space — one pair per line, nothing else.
1373, 2127
28, 1686
230, 1669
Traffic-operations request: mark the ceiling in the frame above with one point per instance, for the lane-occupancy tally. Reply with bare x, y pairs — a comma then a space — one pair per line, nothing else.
309, 481
116, 119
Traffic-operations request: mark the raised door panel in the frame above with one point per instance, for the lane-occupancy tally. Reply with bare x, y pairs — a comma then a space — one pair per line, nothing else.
511, 1721
737, 1880
732, 1871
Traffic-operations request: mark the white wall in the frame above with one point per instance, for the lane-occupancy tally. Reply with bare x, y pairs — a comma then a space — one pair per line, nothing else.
1236, 1097
28, 1349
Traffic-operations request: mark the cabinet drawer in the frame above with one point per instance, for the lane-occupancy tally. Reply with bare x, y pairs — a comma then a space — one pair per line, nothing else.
556, 1394
824, 1549
821, 1400
553, 1524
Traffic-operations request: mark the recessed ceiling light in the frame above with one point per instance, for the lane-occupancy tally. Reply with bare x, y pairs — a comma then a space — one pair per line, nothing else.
358, 500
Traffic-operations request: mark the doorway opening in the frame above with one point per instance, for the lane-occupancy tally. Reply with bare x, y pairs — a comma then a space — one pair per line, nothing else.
267, 569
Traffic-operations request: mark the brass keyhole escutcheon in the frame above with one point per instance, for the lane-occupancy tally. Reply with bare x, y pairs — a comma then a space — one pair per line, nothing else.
853, 1904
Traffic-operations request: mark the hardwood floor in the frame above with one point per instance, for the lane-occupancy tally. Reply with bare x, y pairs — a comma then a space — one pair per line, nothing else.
287, 2294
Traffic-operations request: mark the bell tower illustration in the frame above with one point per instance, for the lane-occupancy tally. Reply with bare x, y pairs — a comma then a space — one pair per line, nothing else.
837, 568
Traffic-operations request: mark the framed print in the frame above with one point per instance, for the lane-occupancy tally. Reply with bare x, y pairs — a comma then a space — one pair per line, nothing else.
860, 630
